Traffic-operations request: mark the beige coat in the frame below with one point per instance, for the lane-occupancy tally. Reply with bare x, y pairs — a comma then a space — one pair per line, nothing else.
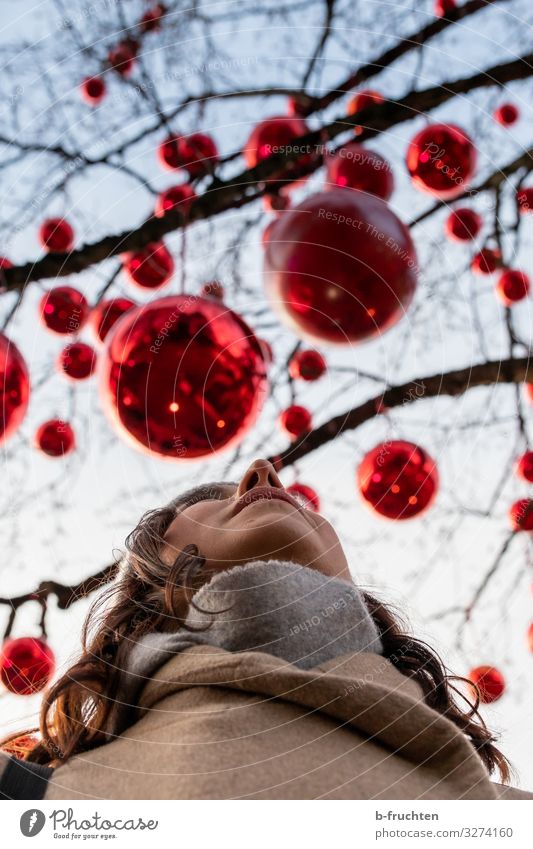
215, 724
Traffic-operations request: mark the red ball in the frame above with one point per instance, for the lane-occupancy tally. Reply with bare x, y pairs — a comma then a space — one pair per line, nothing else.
307, 494
64, 310
55, 438
364, 99
93, 90
183, 377
213, 289
486, 261
275, 136
398, 479
444, 7
441, 160
295, 108
524, 467
197, 154
150, 268
463, 225
56, 235
521, 515
5, 262
530, 636
77, 361
340, 267
513, 286
176, 197
296, 421
122, 58
307, 365
489, 681
26, 665
20, 746
529, 391
151, 20
107, 313
524, 199
14, 388
355, 167
506, 114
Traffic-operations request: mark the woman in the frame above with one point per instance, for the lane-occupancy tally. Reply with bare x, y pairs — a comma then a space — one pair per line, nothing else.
234, 657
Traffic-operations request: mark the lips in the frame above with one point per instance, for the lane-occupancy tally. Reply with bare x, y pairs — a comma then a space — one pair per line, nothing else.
264, 493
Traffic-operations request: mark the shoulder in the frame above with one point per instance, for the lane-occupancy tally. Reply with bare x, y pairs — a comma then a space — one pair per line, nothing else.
503, 791
22, 780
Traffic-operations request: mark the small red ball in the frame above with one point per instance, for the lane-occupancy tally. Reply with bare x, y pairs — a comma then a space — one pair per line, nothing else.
14, 388
213, 289
444, 7
463, 225
364, 99
64, 310
55, 438
524, 467
56, 235
486, 261
122, 58
105, 315
307, 365
77, 361
489, 681
521, 515
278, 136
513, 286
530, 636
295, 108
5, 263
26, 665
398, 480
506, 114
197, 154
524, 199
150, 268
296, 421
93, 90
307, 494
151, 20
529, 391
355, 167
176, 197
20, 746
441, 160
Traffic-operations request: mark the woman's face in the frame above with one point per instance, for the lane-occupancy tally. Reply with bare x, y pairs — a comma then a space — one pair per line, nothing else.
256, 519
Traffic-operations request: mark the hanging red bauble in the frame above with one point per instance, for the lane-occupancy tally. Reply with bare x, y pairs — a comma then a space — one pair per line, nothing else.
56, 235
5, 263
213, 289
26, 665
524, 467
463, 225
524, 199
355, 167
122, 57
296, 421
151, 20
107, 313
398, 479
77, 361
529, 391
14, 388
489, 681
276, 203
20, 746
197, 154
183, 377
307, 494
64, 310
444, 7
307, 365
340, 267
506, 114
278, 136
521, 515
441, 160
512, 286
486, 261
55, 438
176, 197
150, 268
93, 90
364, 99
530, 636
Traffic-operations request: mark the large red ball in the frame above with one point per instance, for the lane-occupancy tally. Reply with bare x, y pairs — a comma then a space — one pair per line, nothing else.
26, 665
512, 286
56, 235
489, 681
398, 479
176, 197
521, 515
355, 167
441, 160
307, 494
64, 310
307, 365
183, 377
278, 136
107, 313
150, 268
486, 261
524, 467
506, 114
14, 388
340, 267
55, 438
77, 361
295, 421
463, 225
93, 90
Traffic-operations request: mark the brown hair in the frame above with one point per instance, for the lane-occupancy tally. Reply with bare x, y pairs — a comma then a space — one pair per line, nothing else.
149, 595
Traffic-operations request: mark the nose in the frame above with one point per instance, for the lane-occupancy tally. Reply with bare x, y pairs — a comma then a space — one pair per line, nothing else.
260, 473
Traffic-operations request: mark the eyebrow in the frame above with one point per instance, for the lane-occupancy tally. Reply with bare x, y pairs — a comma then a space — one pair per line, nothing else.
204, 492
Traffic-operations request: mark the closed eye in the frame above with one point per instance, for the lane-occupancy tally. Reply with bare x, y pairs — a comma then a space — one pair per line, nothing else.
205, 492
